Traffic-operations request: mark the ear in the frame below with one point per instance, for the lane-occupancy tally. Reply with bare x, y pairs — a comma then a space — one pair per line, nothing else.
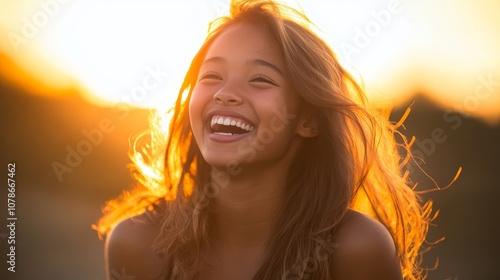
307, 125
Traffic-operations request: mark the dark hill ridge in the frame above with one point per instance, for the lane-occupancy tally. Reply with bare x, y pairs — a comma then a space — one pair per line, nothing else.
55, 240
56, 216
469, 215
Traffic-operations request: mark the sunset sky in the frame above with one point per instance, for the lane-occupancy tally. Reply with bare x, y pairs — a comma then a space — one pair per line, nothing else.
448, 50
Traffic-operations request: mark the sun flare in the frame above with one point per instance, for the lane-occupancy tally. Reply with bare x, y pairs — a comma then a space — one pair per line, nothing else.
137, 52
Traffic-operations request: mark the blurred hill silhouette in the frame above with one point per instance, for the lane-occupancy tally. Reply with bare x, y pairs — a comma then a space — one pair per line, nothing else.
469, 215
54, 237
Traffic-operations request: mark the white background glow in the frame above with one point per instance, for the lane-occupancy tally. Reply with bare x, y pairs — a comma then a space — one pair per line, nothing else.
446, 49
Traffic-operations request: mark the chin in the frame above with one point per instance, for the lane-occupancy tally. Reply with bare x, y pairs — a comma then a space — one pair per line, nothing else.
222, 160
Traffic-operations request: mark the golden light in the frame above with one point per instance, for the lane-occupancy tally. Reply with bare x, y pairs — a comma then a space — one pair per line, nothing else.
137, 52
445, 49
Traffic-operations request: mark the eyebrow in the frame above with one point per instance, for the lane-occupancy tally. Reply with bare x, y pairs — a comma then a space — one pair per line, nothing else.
255, 61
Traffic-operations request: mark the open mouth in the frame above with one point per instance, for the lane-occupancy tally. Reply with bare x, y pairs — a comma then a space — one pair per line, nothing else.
225, 125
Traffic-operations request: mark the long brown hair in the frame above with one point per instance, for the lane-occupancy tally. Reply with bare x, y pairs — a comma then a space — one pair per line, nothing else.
352, 164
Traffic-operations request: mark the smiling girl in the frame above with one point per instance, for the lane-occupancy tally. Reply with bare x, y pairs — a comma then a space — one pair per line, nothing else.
274, 167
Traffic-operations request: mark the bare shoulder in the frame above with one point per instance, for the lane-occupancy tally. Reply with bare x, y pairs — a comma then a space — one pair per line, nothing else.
361, 232
129, 252
366, 250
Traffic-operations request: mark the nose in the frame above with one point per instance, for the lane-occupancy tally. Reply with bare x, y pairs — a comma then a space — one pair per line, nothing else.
228, 95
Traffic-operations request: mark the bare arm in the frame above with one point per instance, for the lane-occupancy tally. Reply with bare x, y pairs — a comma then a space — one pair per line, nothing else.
367, 251
128, 251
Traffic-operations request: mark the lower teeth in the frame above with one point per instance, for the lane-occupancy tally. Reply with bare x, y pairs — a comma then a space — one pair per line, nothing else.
223, 133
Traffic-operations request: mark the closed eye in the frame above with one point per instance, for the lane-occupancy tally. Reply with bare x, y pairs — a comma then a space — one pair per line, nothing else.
263, 79
210, 76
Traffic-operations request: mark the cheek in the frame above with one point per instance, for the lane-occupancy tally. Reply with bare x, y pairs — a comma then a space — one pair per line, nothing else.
278, 120
280, 111
196, 105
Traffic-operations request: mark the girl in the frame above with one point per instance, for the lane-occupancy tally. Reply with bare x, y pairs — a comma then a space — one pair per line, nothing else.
274, 167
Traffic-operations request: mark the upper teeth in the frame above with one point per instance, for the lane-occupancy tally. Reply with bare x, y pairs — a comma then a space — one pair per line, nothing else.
231, 121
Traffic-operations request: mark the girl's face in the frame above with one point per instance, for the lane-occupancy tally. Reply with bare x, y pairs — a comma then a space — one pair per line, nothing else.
242, 109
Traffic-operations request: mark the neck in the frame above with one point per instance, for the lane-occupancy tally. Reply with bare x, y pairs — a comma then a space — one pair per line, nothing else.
249, 200
247, 206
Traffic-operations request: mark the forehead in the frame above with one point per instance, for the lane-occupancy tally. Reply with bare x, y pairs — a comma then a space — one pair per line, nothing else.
244, 41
